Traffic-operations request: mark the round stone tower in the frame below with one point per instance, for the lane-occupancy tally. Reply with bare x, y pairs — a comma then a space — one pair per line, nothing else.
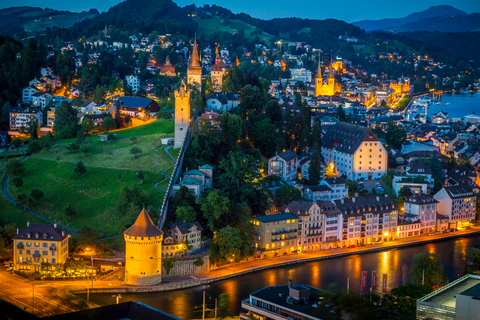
143, 252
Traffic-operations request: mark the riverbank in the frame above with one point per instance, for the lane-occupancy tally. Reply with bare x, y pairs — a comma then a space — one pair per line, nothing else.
235, 270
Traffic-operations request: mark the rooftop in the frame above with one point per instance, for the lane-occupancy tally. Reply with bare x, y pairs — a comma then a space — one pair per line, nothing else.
143, 227
345, 137
41, 231
276, 217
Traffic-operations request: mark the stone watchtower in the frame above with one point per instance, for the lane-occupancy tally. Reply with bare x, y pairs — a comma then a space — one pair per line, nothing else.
218, 71
182, 115
143, 252
194, 69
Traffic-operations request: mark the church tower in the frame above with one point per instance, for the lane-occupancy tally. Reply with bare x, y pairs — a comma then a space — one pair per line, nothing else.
318, 78
218, 71
194, 70
143, 252
182, 115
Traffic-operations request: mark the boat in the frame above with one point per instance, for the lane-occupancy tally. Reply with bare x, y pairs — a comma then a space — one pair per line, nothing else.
447, 103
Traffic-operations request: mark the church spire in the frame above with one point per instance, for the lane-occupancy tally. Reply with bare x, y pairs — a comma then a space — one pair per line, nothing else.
319, 69
330, 74
194, 58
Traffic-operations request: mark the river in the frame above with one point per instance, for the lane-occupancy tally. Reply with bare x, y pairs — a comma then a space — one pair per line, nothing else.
326, 274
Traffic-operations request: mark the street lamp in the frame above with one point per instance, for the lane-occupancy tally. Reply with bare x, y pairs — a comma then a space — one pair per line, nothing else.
118, 296
386, 235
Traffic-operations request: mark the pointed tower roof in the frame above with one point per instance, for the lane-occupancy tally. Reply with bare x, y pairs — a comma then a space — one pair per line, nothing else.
194, 58
330, 74
319, 69
143, 227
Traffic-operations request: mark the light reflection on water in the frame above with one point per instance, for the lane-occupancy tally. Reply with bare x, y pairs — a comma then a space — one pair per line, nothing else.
326, 274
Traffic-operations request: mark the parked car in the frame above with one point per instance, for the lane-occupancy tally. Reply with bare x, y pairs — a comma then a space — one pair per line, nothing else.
431, 234
361, 244
378, 185
351, 246
468, 227
453, 229
380, 190
361, 186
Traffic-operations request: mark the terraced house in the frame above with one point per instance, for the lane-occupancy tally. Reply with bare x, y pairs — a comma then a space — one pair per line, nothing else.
37, 244
458, 204
276, 231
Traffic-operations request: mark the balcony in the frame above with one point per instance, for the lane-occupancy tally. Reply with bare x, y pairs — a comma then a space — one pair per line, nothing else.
20, 246
36, 255
286, 239
283, 231
53, 248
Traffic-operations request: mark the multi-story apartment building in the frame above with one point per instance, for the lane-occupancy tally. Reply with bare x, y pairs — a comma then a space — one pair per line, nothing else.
328, 189
51, 117
37, 244
368, 219
191, 231
418, 177
20, 118
458, 204
301, 74
284, 165
285, 303
27, 93
276, 231
133, 82
425, 208
41, 100
354, 151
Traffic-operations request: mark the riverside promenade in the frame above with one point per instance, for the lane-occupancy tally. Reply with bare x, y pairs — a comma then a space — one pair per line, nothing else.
238, 269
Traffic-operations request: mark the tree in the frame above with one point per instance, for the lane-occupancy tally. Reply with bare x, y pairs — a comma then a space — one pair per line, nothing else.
471, 259
240, 168
286, 194
109, 123
265, 137
186, 214
136, 151
341, 116
66, 123
405, 192
426, 268
87, 124
227, 243
169, 263
17, 182
17, 143
36, 194
79, 169
70, 211
22, 199
403, 298
15, 167
215, 207
140, 176
183, 197
199, 262
34, 146
314, 169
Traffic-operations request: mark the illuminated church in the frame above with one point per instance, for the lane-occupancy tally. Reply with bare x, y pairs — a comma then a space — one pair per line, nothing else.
330, 87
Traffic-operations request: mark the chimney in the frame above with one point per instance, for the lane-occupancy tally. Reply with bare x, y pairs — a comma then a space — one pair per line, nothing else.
353, 199
55, 225
356, 194
341, 201
290, 283
18, 231
28, 223
63, 233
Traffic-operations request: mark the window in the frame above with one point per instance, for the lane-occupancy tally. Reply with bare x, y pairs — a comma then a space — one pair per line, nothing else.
370, 150
379, 162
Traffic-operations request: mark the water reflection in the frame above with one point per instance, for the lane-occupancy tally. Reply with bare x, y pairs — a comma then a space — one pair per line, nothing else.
326, 274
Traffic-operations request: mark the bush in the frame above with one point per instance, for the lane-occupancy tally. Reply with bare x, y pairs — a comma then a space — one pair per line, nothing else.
34, 146
69, 211
79, 169
73, 146
15, 167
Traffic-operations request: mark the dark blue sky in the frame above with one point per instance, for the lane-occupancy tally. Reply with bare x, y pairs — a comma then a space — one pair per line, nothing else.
348, 10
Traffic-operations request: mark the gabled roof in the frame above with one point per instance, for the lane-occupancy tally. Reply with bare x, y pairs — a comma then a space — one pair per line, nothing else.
52, 233
184, 227
333, 181
134, 102
420, 198
349, 206
206, 166
143, 227
288, 155
190, 181
319, 188
459, 191
345, 137
418, 167
194, 172
298, 207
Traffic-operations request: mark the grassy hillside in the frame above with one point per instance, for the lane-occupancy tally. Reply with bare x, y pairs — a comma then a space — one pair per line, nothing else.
216, 24
110, 168
57, 20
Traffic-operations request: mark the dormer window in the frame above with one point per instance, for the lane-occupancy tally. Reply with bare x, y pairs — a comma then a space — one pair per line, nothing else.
29, 235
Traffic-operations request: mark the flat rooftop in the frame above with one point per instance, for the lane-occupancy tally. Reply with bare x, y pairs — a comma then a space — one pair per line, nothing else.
446, 296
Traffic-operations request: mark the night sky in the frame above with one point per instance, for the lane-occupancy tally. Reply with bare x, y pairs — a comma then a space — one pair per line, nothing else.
348, 10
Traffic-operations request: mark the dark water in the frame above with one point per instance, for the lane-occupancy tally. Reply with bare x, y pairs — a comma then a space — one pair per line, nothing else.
458, 105
186, 304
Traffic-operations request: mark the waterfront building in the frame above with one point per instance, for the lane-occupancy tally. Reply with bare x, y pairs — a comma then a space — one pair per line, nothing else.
401, 86
194, 69
354, 151
310, 224
440, 118
458, 300
275, 232
418, 177
368, 219
182, 115
284, 165
143, 252
408, 225
188, 231
425, 208
37, 244
458, 203
285, 303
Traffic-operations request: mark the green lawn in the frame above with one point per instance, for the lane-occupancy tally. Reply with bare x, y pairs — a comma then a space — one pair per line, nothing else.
110, 167
59, 21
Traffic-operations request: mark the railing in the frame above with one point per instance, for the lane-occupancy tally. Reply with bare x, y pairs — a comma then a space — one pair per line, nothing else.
53, 248
284, 231
36, 255
286, 239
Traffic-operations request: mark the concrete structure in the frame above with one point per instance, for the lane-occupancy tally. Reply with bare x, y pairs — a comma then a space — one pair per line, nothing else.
41, 100
143, 252
285, 303
458, 300
458, 204
182, 115
37, 244
354, 151
194, 69
218, 71
276, 231
133, 82
301, 74
368, 219
284, 165
20, 118
51, 117
425, 208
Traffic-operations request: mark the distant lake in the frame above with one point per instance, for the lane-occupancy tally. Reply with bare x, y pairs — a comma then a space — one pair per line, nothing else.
458, 105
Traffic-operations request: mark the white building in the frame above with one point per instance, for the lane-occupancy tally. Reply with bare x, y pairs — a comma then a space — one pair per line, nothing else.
301, 74
41, 99
368, 219
27, 93
458, 204
133, 82
20, 118
354, 151
221, 101
425, 208
418, 177
284, 165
